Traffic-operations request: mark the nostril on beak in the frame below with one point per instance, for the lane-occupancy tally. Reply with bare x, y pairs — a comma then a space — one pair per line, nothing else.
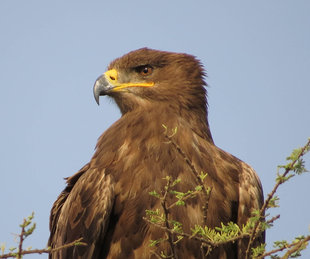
111, 75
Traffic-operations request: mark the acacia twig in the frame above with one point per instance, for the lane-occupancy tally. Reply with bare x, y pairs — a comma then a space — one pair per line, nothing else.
270, 196
184, 198
294, 247
270, 221
21, 240
166, 214
201, 239
45, 250
206, 192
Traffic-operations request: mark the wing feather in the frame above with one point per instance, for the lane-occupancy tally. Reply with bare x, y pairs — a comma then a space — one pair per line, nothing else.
82, 211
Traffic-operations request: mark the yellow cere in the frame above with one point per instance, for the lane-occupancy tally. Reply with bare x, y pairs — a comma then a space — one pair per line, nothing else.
111, 76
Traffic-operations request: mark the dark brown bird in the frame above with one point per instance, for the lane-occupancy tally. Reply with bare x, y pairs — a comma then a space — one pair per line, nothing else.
105, 202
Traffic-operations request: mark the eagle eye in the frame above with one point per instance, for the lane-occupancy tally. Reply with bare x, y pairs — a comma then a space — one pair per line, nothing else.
144, 70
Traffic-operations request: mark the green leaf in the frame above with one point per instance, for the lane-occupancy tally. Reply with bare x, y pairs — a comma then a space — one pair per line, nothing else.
273, 203
198, 188
180, 203
259, 250
202, 175
154, 193
155, 242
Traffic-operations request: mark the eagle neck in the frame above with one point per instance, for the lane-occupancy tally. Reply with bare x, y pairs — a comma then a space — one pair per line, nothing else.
173, 117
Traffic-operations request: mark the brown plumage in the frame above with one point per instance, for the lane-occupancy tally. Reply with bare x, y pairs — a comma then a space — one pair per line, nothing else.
105, 201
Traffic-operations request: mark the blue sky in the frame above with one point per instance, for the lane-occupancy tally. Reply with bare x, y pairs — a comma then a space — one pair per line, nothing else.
256, 54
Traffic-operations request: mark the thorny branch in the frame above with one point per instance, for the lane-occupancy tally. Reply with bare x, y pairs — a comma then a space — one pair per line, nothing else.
199, 181
27, 228
43, 251
295, 246
200, 239
166, 213
257, 226
270, 196
21, 240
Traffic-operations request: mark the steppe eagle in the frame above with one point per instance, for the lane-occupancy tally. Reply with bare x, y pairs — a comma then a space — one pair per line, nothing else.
163, 131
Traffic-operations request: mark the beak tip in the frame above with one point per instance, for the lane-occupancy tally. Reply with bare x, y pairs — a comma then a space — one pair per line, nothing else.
100, 88
96, 98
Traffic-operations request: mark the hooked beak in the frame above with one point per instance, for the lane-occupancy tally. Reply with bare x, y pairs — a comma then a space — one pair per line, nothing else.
108, 83
105, 83
101, 87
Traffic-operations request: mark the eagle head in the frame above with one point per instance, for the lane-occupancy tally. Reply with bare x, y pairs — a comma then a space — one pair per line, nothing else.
147, 77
